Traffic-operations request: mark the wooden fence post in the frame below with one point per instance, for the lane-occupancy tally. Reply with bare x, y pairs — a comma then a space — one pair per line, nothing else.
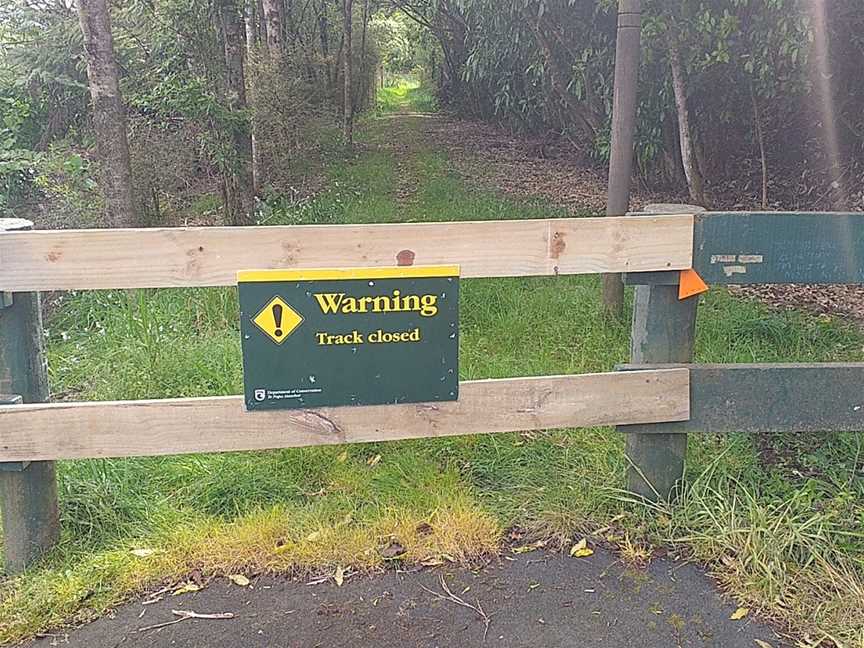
28, 491
663, 331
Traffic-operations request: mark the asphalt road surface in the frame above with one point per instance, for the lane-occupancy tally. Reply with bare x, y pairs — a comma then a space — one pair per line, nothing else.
538, 599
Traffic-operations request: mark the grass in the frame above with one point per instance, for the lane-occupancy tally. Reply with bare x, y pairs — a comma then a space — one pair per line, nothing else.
785, 536
408, 94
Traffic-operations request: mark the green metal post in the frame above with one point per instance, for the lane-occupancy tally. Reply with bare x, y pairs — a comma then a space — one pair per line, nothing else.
28, 491
663, 331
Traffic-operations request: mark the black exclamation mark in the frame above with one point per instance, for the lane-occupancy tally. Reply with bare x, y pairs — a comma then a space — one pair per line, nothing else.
277, 317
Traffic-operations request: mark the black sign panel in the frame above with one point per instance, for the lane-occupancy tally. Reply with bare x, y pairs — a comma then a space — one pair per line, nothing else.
370, 336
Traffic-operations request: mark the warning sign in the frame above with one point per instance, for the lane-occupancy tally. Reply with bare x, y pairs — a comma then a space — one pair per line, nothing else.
278, 320
314, 338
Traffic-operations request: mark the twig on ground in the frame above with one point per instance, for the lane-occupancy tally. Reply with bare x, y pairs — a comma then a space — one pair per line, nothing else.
187, 614
450, 596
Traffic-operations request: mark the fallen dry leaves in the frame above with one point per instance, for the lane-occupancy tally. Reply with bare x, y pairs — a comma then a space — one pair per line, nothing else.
740, 613
581, 549
186, 588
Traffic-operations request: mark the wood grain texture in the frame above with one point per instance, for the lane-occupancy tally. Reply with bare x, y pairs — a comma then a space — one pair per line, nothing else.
161, 427
175, 257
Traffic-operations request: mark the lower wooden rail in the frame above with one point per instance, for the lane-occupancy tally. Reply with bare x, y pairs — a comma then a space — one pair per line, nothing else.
162, 427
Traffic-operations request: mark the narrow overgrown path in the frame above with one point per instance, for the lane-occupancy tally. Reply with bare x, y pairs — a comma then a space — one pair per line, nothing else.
780, 521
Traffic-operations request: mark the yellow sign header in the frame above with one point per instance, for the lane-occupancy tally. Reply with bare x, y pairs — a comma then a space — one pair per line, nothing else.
314, 274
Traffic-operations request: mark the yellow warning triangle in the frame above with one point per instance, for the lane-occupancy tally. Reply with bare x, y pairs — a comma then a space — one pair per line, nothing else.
278, 320
690, 283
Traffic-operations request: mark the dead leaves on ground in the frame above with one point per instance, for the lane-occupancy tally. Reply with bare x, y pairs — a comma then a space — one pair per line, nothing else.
339, 576
581, 549
239, 579
394, 550
532, 546
739, 614
186, 588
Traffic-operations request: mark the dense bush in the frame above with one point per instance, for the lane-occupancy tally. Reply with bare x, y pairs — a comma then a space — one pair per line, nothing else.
754, 73
184, 116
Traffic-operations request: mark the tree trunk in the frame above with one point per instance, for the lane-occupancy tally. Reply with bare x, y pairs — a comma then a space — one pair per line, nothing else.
624, 103
348, 60
249, 25
324, 39
273, 23
261, 26
109, 117
251, 49
238, 176
695, 184
364, 73
673, 171
760, 138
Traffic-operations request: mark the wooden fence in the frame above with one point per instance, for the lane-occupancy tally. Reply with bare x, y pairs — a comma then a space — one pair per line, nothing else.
656, 400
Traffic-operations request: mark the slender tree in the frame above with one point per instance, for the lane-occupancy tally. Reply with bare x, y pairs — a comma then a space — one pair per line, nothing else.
695, 184
109, 117
273, 26
238, 185
363, 71
324, 39
627, 55
249, 17
348, 54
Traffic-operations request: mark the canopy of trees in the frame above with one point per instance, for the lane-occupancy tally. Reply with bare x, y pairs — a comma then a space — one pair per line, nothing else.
226, 98
223, 93
751, 76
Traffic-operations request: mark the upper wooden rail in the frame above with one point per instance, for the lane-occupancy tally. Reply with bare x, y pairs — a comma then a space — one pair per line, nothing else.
178, 257
140, 428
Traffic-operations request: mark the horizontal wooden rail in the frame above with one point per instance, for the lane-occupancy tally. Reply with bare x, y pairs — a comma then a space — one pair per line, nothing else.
161, 427
177, 257
790, 397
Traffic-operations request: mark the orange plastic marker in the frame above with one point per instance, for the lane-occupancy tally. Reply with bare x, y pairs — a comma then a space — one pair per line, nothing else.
690, 283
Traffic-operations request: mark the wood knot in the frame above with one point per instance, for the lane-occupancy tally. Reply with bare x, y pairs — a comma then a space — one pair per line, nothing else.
405, 258
557, 245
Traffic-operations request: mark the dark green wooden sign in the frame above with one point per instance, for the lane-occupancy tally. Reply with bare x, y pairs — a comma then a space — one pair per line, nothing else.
766, 248
771, 248
371, 336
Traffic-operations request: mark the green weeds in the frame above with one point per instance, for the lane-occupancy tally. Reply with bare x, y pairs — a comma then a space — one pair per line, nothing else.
407, 96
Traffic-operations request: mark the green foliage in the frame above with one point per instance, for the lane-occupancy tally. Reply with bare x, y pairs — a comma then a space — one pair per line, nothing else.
400, 42
16, 162
67, 181
547, 66
405, 94
182, 106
